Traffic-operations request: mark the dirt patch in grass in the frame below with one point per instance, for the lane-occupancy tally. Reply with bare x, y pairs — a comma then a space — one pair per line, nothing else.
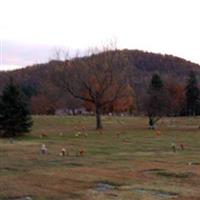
157, 193
12, 170
175, 175
73, 164
153, 170
167, 174
20, 198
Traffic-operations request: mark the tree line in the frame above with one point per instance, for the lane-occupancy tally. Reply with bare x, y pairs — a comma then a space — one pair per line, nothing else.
15, 115
38, 82
165, 100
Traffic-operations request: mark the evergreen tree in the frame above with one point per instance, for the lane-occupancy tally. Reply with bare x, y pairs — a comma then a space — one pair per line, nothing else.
157, 101
28, 89
156, 83
192, 95
15, 117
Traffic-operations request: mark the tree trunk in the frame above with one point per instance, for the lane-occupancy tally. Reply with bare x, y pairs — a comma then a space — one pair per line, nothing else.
73, 112
98, 117
151, 123
13, 134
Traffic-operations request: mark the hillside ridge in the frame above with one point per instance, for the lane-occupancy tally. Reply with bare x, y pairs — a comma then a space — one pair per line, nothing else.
37, 82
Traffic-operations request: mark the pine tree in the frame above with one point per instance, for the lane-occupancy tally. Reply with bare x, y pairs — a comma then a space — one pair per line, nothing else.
157, 101
156, 83
15, 117
192, 95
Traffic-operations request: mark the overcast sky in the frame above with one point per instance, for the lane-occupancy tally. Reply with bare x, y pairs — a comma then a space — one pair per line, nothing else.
31, 29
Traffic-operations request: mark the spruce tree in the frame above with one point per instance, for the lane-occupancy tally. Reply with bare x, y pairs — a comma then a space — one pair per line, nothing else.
192, 95
157, 101
156, 83
15, 118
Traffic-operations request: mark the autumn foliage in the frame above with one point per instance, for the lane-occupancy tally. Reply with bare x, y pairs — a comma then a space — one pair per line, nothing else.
125, 103
41, 105
176, 93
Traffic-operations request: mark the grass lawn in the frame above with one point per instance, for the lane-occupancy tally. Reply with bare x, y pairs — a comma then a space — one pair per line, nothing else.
125, 161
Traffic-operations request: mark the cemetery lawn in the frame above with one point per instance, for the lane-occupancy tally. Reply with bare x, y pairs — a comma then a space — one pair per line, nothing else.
124, 161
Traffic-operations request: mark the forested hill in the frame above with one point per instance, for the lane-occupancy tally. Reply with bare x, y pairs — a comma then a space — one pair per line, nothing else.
37, 81
144, 64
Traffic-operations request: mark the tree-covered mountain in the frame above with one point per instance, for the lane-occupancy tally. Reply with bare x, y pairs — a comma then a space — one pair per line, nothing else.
39, 84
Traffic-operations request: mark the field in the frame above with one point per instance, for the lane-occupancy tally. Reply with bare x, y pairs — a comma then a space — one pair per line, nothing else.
125, 161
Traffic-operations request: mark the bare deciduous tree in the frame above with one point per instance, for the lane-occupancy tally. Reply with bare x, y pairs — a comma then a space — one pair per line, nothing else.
98, 79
